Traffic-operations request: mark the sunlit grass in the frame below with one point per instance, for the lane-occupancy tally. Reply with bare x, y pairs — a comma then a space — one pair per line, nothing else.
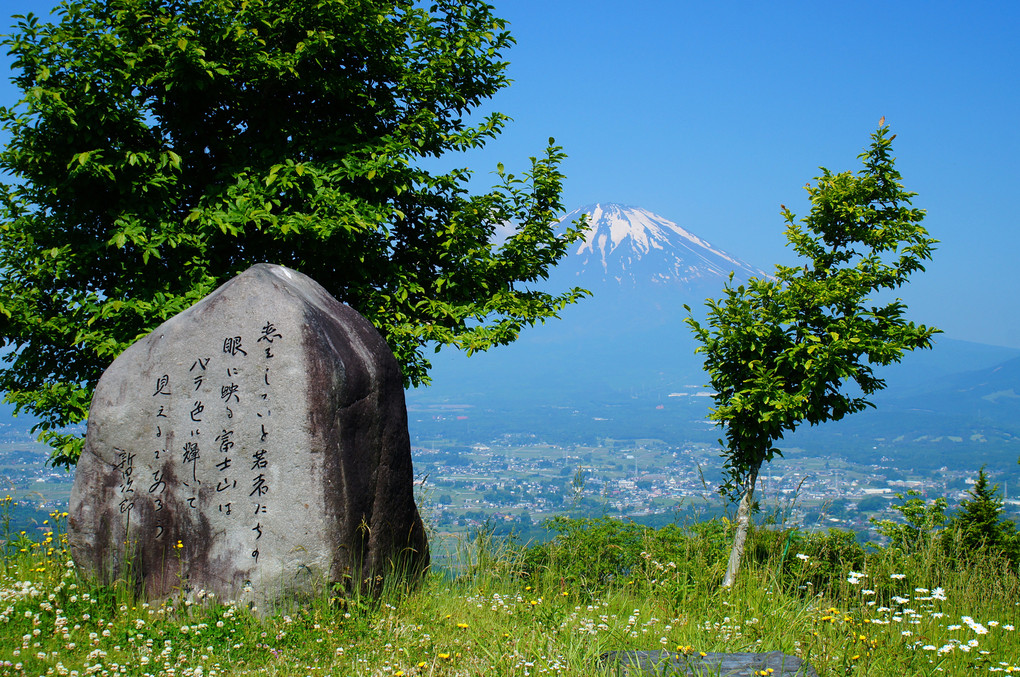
510, 612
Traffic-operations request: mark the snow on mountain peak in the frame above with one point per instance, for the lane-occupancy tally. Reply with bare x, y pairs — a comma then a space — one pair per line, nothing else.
631, 243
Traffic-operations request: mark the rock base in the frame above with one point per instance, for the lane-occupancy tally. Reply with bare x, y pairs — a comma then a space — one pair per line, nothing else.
255, 447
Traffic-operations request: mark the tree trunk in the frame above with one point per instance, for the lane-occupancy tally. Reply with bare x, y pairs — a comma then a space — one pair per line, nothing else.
743, 523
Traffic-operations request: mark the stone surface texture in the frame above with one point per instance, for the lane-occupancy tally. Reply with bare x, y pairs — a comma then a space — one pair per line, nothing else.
668, 664
254, 446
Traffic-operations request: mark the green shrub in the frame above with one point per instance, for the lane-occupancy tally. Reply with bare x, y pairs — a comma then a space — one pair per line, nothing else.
595, 555
590, 553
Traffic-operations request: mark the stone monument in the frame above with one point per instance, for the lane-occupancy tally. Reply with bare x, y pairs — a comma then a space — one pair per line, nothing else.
254, 446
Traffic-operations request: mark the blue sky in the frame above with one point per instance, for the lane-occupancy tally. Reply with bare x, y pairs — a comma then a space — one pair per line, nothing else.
712, 114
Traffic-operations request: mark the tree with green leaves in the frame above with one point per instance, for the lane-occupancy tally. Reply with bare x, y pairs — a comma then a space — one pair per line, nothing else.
979, 523
162, 146
922, 524
803, 346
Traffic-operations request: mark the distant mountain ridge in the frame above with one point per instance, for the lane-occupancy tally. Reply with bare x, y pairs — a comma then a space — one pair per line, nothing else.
608, 366
641, 269
632, 247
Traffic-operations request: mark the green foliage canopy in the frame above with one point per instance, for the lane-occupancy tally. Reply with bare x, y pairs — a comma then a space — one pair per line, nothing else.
802, 346
163, 146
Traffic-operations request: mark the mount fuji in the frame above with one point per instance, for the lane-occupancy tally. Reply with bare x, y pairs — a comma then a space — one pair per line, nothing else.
641, 269
624, 346
631, 247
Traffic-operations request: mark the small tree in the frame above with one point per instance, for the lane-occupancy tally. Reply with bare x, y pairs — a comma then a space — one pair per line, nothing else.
923, 526
803, 345
979, 522
160, 147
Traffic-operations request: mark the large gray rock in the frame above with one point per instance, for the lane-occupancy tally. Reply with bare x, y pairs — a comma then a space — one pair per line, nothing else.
254, 446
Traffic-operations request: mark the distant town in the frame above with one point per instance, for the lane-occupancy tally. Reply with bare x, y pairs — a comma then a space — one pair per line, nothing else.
514, 483
521, 482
